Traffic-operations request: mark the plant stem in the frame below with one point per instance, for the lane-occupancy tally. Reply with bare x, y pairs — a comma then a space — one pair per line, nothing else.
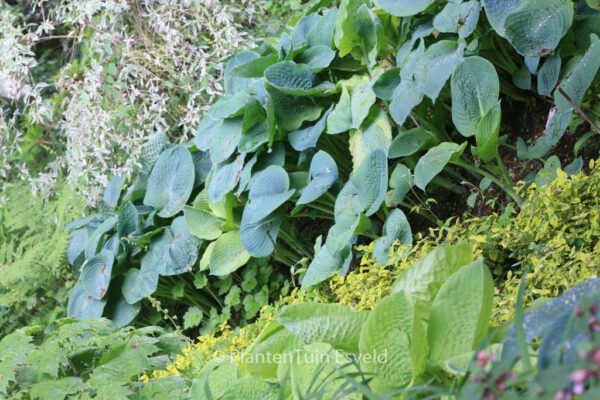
507, 188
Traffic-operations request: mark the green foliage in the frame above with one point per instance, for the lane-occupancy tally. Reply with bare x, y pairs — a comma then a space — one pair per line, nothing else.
83, 359
34, 275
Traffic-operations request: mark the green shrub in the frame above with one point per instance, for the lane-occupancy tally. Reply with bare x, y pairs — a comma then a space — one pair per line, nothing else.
34, 274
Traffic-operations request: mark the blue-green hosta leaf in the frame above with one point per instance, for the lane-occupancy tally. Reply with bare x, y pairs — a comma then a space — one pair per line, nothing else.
498, 10
412, 61
420, 32
254, 138
362, 100
202, 167
425, 277
285, 47
228, 136
153, 148
487, 134
203, 224
475, 91
83, 306
140, 283
302, 29
307, 138
556, 126
458, 18
176, 250
233, 83
230, 106
537, 26
368, 28
77, 244
434, 161
548, 75
406, 96
347, 201
129, 221
317, 57
228, 254
340, 118
323, 173
395, 329
396, 229
334, 324
522, 78
297, 80
322, 33
254, 68
113, 192
254, 114
325, 264
246, 175
401, 182
370, 178
407, 143
437, 65
225, 178
207, 132
101, 230
291, 112
386, 83
268, 191
341, 234
96, 273
123, 313
447, 19
171, 182
403, 8
377, 135
460, 313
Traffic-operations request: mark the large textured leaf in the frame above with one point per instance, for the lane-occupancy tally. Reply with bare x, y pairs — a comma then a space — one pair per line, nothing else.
457, 17
498, 10
96, 273
171, 182
376, 135
113, 192
547, 77
83, 306
295, 79
340, 118
95, 239
404, 8
334, 324
252, 388
347, 201
215, 378
123, 313
407, 143
317, 57
386, 83
406, 96
395, 230
323, 173
128, 221
203, 224
437, 65
487, 134
460, 313
362, 99
139, 284
225, 178
307, 138
291, 112
228, 254
228, 135
328, 260
393, 329
370, 178
321, 33
434, 161
424, 278
401, 182
475, 90
268, 191
175, 251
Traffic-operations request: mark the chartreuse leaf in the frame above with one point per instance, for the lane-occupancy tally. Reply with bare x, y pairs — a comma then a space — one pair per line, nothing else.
434, 161
334, 324
252, 388
403, 8
96, 273
228, 254
323, 173
83, 306
460, 313
214, 379
395, 230
475, 91
171, 182
268, 191
395, 339
487, 133
424, 278
202, 223
346, 35
370, 179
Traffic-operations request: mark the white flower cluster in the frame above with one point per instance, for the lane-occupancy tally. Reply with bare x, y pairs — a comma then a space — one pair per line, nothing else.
135, 68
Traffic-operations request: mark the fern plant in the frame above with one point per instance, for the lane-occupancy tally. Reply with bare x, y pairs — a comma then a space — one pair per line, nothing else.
34, 275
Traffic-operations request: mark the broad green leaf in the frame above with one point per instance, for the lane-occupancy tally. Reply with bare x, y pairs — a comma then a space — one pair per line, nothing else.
230, 106
361, 101
457, 17
307, 138
424, 278
322, 33
294, 79
225, 178
395, 230
122, 313
487, 134
171, 182
386, 83
371, 178
317, 57
475, 91
96, 273
346, 35
401, 182
403, 8
233, 82
437, 65
522, 78
252, 388
291, 112
498, 10
303, 28
460, 313
253, 68
228, 254
326, 262
323, 173
434, 161
368, 28
376, 135
547, 77
340, 118
215, 378
334, 324
348, 201
83, 306
94, 243
203, 224
407, 143
396, 339
57, 389
139, 284
153, 148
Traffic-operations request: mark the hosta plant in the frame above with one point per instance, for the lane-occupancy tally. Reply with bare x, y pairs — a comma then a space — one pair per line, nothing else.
346, 122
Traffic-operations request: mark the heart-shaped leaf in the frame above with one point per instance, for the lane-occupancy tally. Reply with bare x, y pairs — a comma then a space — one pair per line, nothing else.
175, 251
140, 283
437, 65
228, 254
83, 306
225, 178
323, 173
434, 161
407, 143
371, 179
307, 138
96, 273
